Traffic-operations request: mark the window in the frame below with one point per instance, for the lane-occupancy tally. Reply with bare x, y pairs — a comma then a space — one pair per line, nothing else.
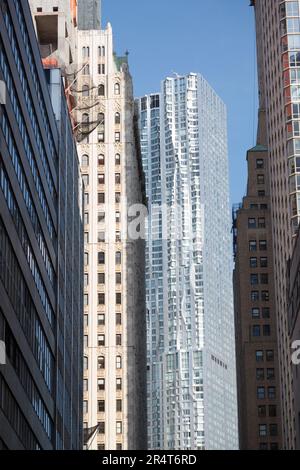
86, 218
86, 299
117, 178
85, 52
254, 279
118, 298
265, 296
251, 223
85, 406
118, 237
117, 118
254, 295
85, 91
101, 198
271, 374
119, 446
101, 406
262, 245
85, 179
261, 193
253, 262
85, 362
117, 159
259, 163
101, 69
86, 70
259, 355
101, 446
119, 362
264, 278
261, 222
273, 430
264, 207
270, 355
101, 90
85, 160
262, 412
118, 278
117, 198
262, 430
101, 427
101, 136
101, 51
85, 385
265, 312
272, 411
117, 88
260, 374
252, 245
253, 206
101, 299
86, 199
101, 257
101, 319
85, 341
117, 137
86, 320
118, 406
119, 427
118, 257
255, 330
272, 393
86, 259
118, 384
86, 279
101, 340
101, 385
101, 178
101, 237
255, 313
101, 160
261, 394
118, 217
101, 217
118, 318
101, 362
118, 340
260, 179
101, 278
263, 262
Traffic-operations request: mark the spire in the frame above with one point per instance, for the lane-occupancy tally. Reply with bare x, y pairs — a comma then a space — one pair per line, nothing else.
89, 14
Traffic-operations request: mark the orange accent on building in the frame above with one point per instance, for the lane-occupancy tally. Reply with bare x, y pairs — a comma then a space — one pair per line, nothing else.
74, 11
50, 63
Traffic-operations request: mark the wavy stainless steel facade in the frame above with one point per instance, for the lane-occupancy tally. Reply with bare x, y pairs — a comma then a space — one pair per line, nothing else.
192, 400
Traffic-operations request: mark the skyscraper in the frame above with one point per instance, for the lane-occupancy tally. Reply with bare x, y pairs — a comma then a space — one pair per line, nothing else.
40, 248
278, 43
256, 328
114, 303
191, 355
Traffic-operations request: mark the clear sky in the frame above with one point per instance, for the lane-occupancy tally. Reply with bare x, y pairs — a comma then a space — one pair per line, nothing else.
213, 37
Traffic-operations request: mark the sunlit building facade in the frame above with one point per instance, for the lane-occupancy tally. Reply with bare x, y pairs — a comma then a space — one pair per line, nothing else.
192, 401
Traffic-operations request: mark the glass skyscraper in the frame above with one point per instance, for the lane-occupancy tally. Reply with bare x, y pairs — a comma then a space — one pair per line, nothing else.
191, 353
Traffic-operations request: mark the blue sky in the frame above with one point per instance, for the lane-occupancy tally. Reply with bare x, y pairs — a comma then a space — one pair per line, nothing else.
213, 37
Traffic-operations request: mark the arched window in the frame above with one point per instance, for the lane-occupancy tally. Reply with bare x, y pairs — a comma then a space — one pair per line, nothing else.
117, 159
101, 119
118, 257
85, 118
85, 90
101, 90
117, 88
86, 69
85, 52
119, 362
117, 118
101, 160
85, 160
101, 362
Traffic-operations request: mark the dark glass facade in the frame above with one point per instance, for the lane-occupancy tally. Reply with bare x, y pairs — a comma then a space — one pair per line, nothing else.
41, 239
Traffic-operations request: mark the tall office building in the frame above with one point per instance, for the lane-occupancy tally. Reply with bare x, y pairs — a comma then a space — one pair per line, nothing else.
256, 329
192, 401
278, 44
114, 304
41, 265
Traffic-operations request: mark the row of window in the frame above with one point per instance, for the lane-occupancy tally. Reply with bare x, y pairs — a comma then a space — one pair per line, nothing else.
263, 295
101, 258
101, 236
264, 312
101, 279
101, 427
101, 219
256, 279
263, 430
263, 262
262, 245
101, 406
101, 200
261, 330
86, 51
100, 179
101, 319
267, 355
101, 340
257, 223
101, 362
266, 392
85, 160
262, 374
101, 299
